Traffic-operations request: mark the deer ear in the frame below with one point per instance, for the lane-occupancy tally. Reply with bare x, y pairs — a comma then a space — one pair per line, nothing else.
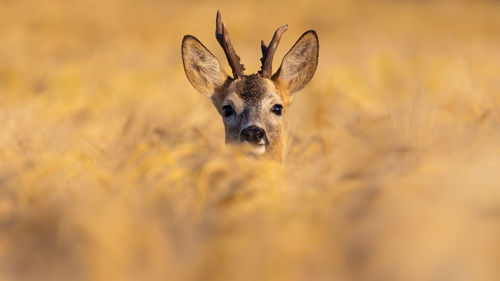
202, 68
299, 64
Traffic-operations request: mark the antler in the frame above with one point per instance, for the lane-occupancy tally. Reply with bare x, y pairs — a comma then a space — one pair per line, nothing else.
268, 52
223, 38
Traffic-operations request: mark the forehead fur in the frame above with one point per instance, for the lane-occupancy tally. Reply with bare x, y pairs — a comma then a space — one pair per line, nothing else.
252, 89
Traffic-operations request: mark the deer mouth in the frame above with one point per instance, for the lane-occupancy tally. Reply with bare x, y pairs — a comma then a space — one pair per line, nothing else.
257, 148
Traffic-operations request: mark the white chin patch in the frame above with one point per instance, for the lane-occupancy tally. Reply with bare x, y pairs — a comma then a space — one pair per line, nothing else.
259, 149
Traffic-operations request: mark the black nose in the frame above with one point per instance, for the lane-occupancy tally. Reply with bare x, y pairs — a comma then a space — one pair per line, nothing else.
253, 134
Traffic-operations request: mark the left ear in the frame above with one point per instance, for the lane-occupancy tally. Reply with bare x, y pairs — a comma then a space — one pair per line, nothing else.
299, 64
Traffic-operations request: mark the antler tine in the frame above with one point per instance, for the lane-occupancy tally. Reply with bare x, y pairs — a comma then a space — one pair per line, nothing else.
268, 52
263, 47
223, 37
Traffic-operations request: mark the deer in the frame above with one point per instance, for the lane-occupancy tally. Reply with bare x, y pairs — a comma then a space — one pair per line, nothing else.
252, 106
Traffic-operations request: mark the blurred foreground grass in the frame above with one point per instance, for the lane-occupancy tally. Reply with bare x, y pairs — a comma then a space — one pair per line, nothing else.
114, 168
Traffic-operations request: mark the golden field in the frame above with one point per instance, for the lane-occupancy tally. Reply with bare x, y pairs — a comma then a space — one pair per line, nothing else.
114, 168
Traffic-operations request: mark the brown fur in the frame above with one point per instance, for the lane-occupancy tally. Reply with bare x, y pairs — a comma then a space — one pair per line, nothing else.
252, 96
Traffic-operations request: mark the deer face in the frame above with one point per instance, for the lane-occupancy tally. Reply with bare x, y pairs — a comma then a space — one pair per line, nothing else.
252, 113
251, 106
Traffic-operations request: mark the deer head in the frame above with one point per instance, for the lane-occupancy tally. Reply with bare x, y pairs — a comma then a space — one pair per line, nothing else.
251, 106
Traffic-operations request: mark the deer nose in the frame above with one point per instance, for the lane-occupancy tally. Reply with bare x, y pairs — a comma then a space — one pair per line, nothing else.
253, 134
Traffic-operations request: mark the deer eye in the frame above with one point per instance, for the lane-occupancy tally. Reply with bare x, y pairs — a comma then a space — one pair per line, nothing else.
227, 110
276, 109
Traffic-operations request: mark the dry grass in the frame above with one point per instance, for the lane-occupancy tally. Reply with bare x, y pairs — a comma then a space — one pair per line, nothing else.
114, 168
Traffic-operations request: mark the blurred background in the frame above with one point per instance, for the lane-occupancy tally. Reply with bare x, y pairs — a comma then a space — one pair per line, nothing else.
114, 168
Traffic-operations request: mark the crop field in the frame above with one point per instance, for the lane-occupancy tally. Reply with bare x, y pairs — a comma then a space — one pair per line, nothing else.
113, 167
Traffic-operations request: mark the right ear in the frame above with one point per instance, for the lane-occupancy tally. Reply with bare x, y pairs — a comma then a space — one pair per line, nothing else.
299, 64
202, 68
